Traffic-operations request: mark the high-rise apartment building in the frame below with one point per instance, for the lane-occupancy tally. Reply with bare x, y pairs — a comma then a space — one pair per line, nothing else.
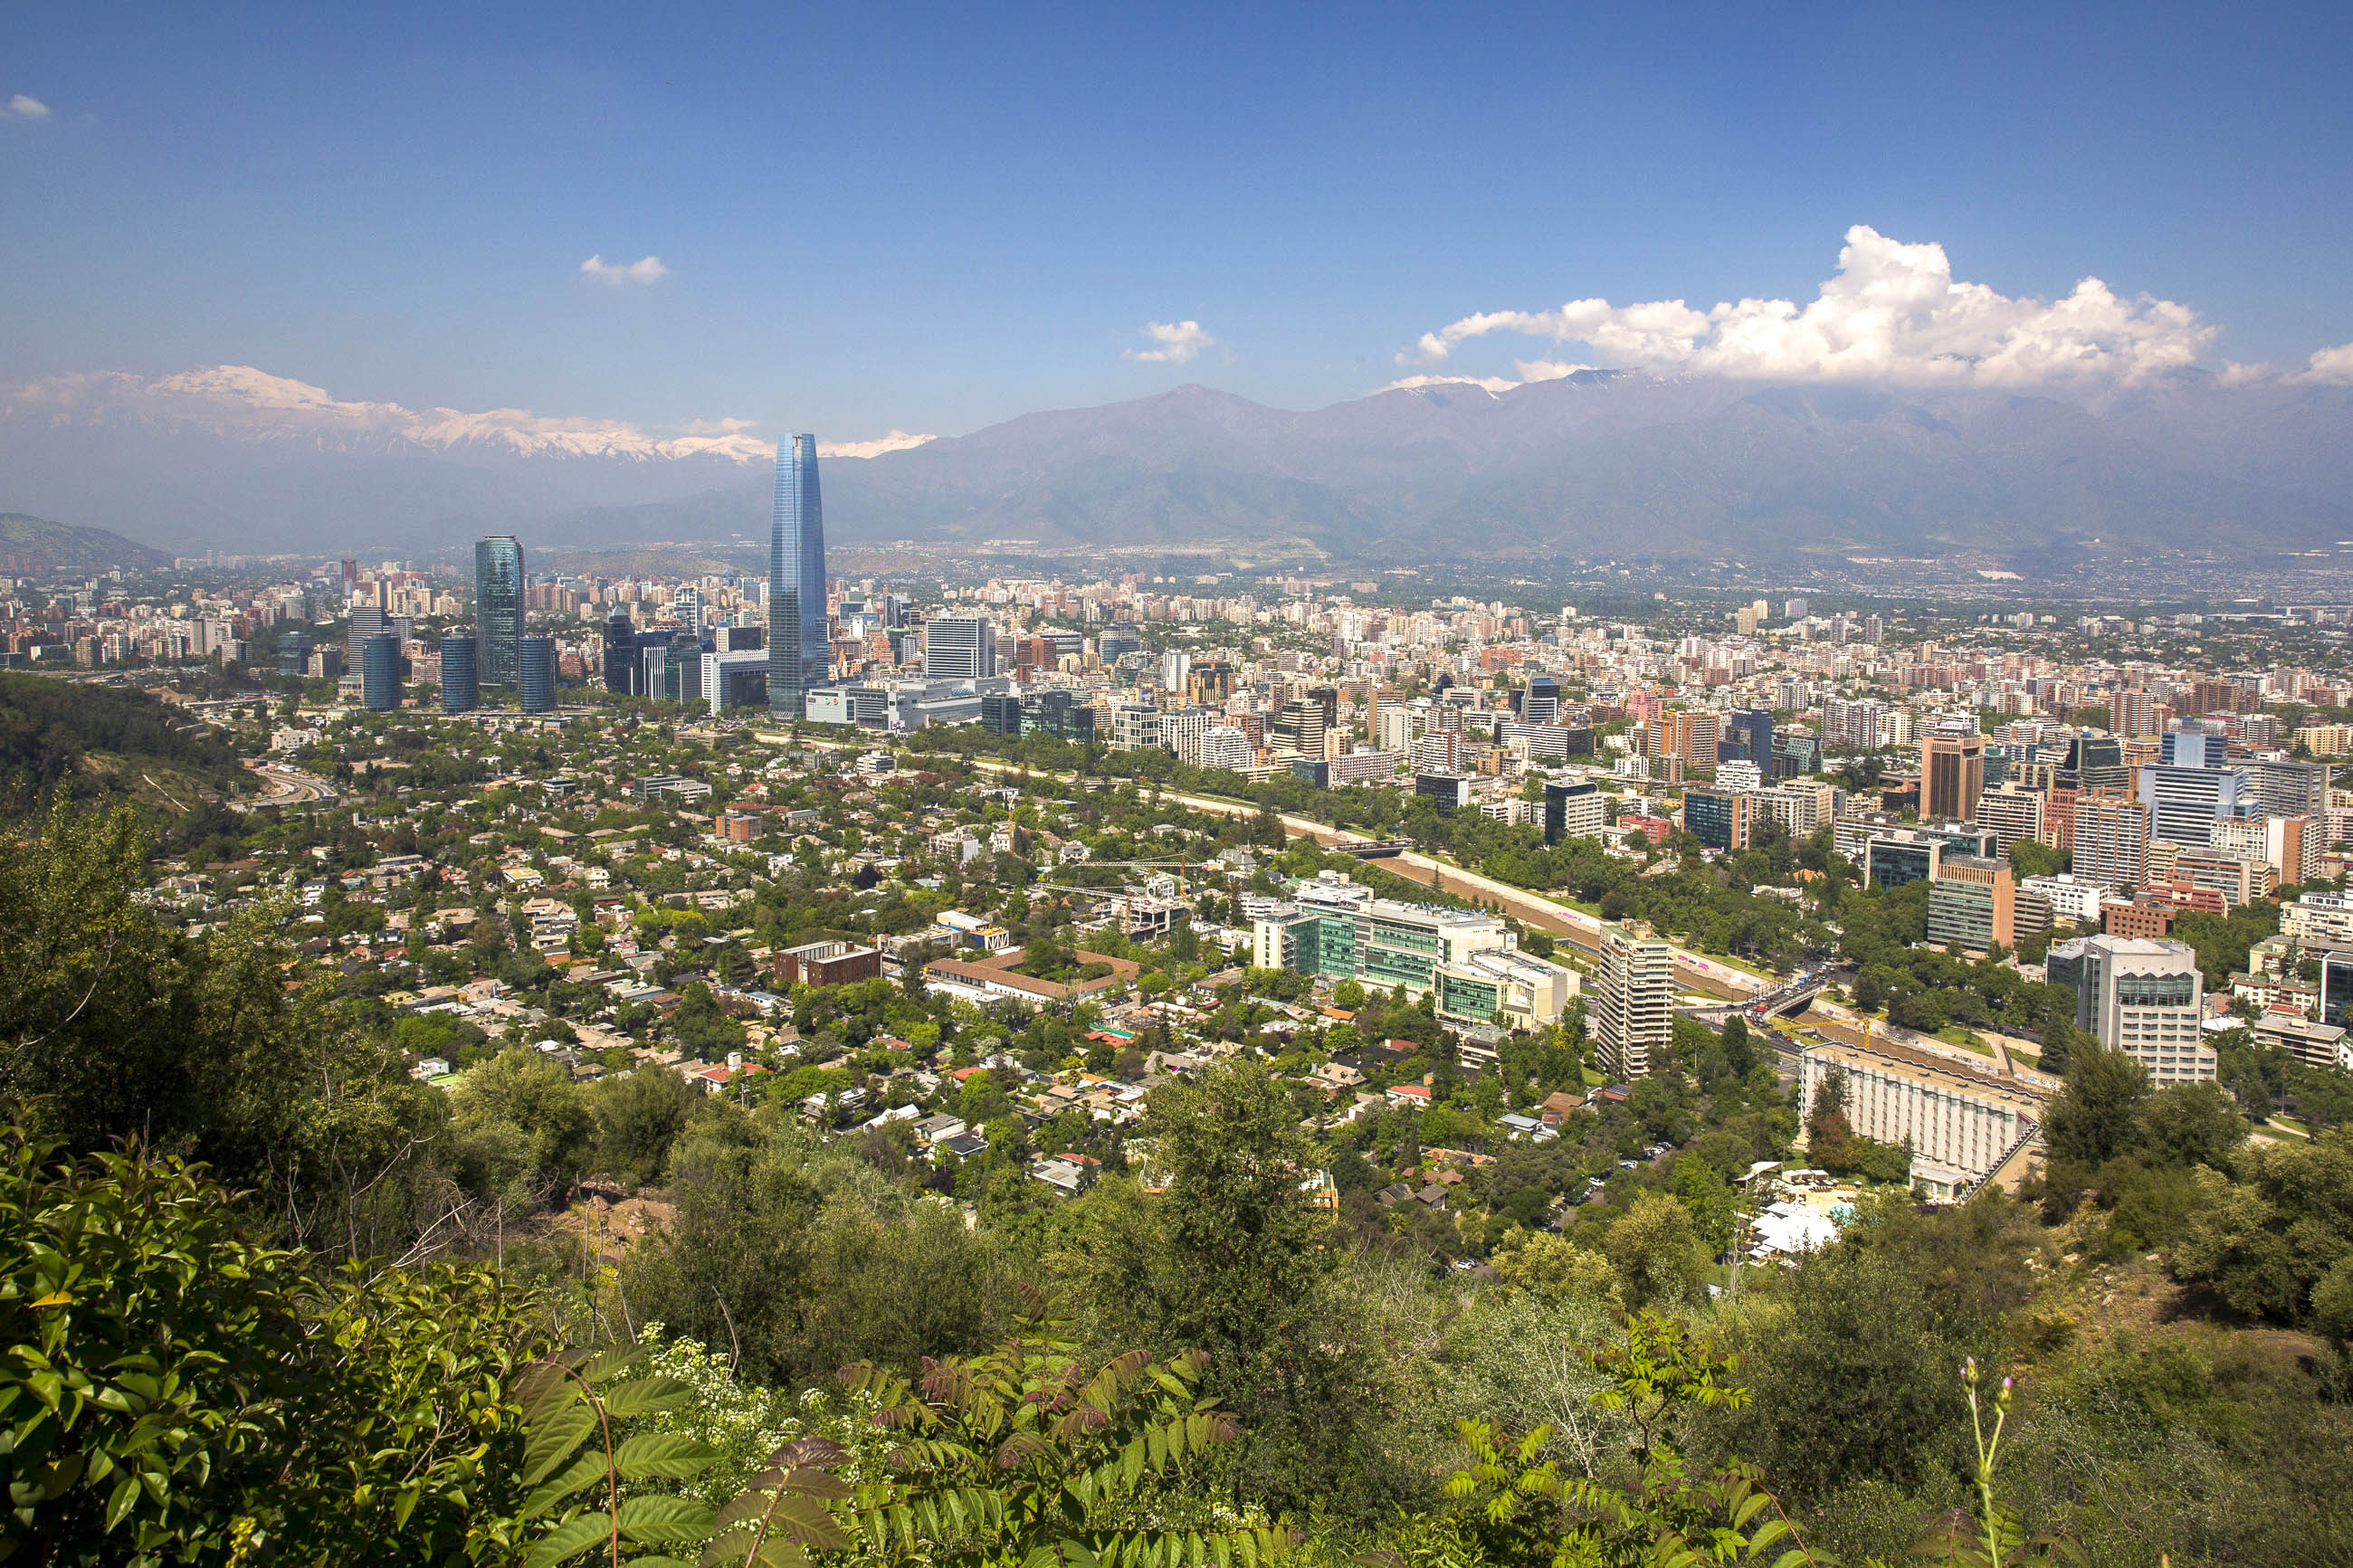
499, 585
2290, 789
461, 690
1634, 995
2134, 712
799, 636
2111, 840
959, 647
2013, 813
1952, 772
366, 621
2140, 995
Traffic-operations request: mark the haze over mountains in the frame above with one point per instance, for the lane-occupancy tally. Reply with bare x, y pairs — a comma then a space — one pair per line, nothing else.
1598, 463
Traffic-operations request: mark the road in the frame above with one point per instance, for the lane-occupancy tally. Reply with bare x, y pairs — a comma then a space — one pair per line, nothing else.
282, 786
1583, 931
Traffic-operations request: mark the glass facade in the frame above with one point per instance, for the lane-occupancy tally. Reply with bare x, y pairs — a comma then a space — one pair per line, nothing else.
461, 690
798, 637
621, 654
498, 609
380, 673
535, 674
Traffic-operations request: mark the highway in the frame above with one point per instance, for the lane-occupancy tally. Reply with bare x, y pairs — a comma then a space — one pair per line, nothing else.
282, 786
1582, 931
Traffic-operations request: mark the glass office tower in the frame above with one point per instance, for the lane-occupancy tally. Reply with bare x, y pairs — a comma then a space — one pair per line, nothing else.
380, 673
461, 690
535, 674
497, 608
621, 670
798, 637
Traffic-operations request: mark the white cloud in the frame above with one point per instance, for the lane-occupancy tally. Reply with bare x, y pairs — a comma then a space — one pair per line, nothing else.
1176, 342
25, 107
715, 426
645, 270
1893, 313
2334, 365
896, 441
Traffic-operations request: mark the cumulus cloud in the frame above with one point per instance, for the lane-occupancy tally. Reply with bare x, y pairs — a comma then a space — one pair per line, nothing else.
22, 106
715, 426
645, 270
2334, 365
1893, 313
1173, 343
1485, 383
896, 441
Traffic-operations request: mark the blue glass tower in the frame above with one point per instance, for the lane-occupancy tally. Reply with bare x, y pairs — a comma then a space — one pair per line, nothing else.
535, 675
798, 637
497, 608
380, 673
461, 686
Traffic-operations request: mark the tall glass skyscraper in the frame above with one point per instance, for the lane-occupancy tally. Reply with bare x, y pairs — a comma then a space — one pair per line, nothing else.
798, 639
535, 675
497, 608
380, 673
460, 678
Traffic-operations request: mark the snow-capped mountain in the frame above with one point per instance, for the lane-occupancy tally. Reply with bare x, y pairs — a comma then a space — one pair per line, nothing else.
240, 401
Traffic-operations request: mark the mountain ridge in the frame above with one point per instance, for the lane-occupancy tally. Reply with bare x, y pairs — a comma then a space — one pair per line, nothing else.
1596, 464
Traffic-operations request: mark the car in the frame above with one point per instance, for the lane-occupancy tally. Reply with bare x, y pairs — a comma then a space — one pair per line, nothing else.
1628, 1164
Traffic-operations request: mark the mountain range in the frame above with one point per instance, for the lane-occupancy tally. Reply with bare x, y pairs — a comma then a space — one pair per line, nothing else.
1594, 464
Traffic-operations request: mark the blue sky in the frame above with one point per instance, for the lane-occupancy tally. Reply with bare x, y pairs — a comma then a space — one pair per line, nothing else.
878, 216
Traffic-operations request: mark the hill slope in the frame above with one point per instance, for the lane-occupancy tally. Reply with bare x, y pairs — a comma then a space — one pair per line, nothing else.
33, 546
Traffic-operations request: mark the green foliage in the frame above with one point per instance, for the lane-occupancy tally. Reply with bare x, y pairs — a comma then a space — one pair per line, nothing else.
575, 1461
49, 729
1026, 1455
2267, 1241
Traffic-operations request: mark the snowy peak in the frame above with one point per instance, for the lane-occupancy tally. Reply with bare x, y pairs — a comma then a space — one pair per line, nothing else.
245, 403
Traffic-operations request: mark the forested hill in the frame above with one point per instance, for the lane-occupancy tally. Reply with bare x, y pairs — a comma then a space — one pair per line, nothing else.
96, 741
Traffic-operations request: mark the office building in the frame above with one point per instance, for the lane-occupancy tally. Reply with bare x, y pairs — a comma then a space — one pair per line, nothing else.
959, 647
1748, 738
1463, 960
1449, 792
2071, 898
2191, 748
1952, 771
366, 621
2138, 995
2337, 987
461, 690
293, 653
1972, 904
1538, 702
2184, 802
1720, 819
499, 588
2095, 762
535, 674
1573, 810
621, 668
734, 678
799, 639
2110, 840
380, 673
1633, 1011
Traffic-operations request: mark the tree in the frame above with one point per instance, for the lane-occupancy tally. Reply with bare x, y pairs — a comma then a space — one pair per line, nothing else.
1554, 1270
1738, 1057
527, 1121
2092, 1120
1655, 1248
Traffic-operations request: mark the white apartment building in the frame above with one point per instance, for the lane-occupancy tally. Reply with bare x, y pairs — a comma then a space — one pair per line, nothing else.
1634, 998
